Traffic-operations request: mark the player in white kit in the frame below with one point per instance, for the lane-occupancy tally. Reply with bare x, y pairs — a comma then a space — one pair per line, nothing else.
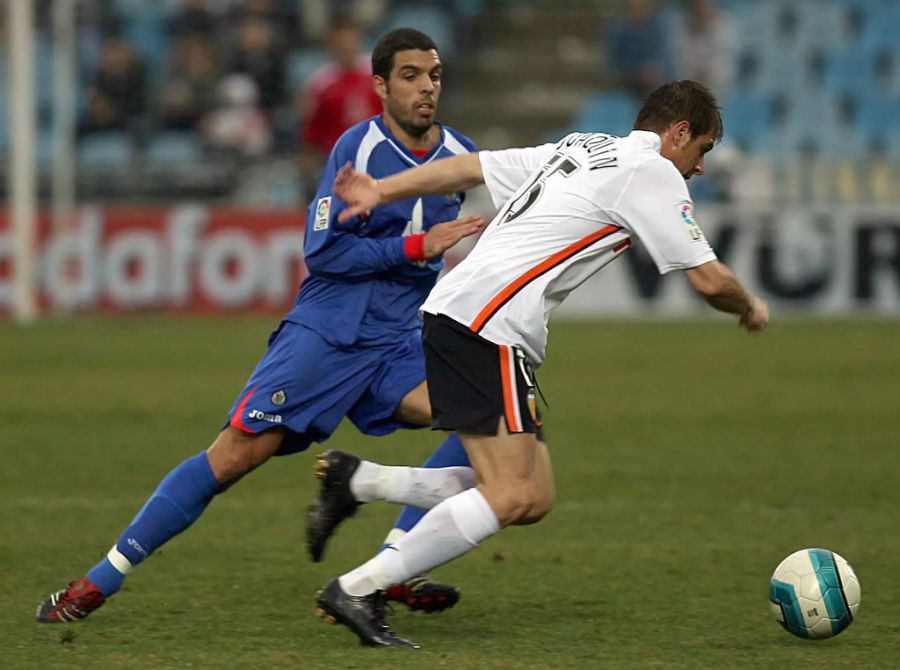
566, 210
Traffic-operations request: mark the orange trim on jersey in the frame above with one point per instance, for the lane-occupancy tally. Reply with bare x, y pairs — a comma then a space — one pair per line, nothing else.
237, 420
509, 387
544, 266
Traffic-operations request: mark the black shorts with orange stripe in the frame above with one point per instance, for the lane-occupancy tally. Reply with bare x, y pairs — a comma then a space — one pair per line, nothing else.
473, 383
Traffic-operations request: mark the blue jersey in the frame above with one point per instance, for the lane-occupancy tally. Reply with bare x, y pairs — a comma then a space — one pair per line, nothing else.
361, 287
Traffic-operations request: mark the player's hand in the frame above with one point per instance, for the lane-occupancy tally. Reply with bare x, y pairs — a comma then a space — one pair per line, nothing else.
756, 318
442, 236
360, 191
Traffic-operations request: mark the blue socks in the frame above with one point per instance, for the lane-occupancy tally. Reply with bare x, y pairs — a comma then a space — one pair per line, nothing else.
450, 453
177, 502
184, 494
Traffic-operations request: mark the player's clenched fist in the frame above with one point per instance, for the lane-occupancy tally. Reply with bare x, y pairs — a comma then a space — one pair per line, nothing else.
442, 236
756, 318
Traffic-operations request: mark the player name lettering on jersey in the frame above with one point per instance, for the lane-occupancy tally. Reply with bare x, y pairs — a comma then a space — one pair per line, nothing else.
600, 148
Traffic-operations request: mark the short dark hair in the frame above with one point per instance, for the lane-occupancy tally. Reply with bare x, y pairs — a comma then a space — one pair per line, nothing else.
401, 39
683, 100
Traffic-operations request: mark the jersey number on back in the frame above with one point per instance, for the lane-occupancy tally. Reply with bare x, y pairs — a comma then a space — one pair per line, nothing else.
558, 163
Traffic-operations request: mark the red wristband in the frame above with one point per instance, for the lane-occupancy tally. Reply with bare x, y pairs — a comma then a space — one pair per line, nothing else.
414, 247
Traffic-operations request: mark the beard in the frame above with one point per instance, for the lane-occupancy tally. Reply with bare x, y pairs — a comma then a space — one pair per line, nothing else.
415, 129
410, 125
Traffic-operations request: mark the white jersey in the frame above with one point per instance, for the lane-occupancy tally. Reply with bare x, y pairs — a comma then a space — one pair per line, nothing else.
566, 210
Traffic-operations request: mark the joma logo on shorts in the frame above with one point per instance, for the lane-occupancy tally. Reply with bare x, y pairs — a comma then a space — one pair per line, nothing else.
257, 414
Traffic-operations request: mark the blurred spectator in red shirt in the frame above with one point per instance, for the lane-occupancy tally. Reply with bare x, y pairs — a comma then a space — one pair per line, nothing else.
339, 94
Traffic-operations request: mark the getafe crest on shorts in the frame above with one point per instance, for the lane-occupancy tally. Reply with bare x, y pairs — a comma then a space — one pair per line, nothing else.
279, 398
323, 213
687, 215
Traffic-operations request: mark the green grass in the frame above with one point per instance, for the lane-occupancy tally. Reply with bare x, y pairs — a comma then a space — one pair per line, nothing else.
690, 460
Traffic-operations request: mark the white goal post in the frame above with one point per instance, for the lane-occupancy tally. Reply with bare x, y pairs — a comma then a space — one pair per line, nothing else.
21, 169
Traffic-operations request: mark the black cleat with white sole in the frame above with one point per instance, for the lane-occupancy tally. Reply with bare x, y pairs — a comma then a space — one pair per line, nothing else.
335, 501
364, 615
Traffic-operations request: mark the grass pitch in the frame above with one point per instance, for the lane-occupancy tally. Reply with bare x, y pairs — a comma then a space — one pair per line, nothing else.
690, 459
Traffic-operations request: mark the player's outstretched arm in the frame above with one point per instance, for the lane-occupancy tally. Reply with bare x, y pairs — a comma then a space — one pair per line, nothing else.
442, 236
362, 192
715, 282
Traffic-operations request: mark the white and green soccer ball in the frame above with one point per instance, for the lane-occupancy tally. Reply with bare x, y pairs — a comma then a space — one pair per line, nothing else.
814, 593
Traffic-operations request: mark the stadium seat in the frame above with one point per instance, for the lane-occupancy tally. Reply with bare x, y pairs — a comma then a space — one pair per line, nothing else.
784, 67
891, 143
846, 144
889, 79
805, 124
850, 71
881, 26
609, 112
790, 142
757, 23
822, 110
821, 23
173, 149
876, 114
747, 116
105, 151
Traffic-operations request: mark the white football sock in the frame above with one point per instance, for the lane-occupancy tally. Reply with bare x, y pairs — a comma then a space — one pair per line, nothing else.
452, 528
418, 487
394, 535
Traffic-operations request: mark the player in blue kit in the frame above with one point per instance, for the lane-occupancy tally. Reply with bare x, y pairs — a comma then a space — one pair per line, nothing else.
351, 346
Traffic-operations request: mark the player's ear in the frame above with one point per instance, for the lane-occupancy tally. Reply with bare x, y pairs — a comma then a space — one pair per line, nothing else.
380, 86
682, 134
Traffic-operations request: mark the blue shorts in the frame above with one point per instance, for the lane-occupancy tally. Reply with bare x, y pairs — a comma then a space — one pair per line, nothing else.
307, 385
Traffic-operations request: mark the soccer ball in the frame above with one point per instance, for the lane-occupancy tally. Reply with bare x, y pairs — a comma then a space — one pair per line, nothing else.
814, 593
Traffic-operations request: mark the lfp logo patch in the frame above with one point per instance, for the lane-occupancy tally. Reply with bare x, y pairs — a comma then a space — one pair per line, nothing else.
323, 213
687, 215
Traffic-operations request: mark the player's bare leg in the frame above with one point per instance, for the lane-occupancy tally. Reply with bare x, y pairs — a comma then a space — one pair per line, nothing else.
236, 453
415, 407
544, 488
178, 501
346, 482
514, 475
512, 488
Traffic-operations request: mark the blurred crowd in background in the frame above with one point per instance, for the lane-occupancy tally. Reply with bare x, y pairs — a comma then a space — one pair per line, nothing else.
240, 100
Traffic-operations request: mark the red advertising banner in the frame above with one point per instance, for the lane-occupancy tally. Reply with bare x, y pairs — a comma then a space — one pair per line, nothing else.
181, 258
